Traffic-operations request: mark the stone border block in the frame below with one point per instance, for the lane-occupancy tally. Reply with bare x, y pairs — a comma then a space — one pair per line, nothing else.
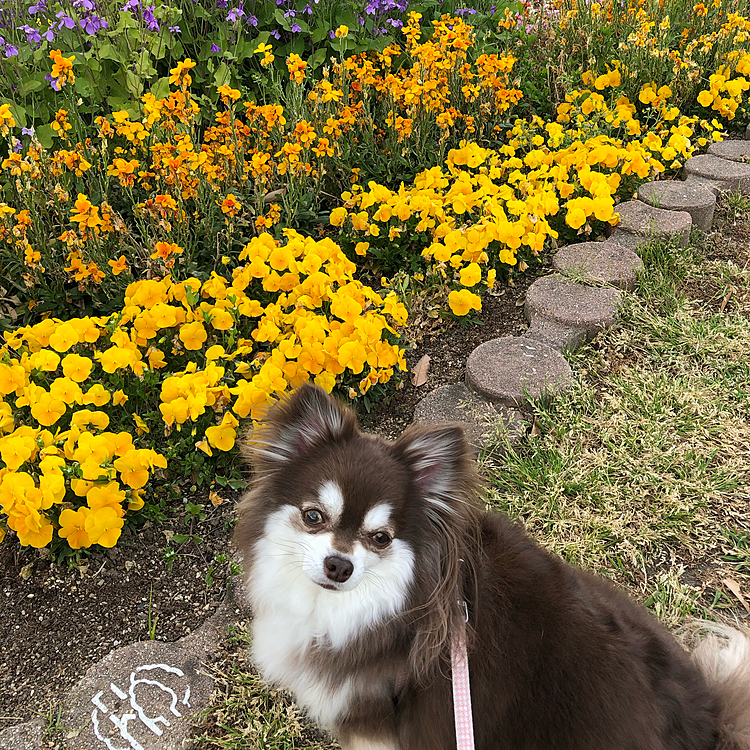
725, 174
697, 199
482, 420
638, 218
580, 308
511, 370
599, 263
732, 150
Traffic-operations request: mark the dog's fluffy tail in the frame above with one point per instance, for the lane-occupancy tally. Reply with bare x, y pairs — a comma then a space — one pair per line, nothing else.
722, 654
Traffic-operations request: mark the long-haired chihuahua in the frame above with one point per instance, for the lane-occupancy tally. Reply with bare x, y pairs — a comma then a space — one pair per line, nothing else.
359, 554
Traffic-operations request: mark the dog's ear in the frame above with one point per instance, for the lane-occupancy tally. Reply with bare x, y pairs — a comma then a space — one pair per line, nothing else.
298, 423
440, 461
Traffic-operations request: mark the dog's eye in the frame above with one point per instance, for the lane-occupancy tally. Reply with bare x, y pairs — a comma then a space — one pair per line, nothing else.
381, 538
313, 517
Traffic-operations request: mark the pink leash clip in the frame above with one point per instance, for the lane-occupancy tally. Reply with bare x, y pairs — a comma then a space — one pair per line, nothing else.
461, 687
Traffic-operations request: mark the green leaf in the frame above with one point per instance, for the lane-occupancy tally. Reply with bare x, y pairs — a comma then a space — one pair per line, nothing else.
45, 134
160, 89
221, 76
29, 85
83, 87
318, 58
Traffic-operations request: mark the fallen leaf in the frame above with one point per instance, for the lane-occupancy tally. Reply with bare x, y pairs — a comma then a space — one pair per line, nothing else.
420, 371
215, 498
536, 430
26, 571
169, 534
521, 302
734, 587
273, 195
726, 299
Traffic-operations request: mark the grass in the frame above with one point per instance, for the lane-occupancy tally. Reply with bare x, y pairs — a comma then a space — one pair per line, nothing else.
641, 473
247, 713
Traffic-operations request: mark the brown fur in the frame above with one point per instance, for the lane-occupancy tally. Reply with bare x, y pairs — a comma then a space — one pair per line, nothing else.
559, 659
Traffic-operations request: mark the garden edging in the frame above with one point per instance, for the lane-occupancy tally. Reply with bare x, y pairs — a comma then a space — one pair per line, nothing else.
571, 307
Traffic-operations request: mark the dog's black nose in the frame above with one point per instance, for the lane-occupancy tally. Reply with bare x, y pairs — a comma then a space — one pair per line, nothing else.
338, 568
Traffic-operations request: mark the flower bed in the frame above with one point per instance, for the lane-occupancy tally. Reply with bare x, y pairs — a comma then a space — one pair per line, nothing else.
181, 264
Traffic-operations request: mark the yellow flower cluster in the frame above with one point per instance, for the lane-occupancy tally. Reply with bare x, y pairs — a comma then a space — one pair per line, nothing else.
211, 351
489, 205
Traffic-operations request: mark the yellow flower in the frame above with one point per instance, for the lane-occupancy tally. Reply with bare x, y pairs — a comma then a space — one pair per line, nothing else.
223, 436
103, 526
97, 395
64, 337
119, 398
47, 409
118, 266
72, 527
193, 335
141, 426
463, 301
338, 216
76, 367
342, 31
471, 274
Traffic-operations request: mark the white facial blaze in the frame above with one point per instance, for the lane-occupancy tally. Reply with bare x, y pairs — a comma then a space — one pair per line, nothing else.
331, 499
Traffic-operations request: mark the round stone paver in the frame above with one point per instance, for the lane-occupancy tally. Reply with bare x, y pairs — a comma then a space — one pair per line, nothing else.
725, 174
576, 306
511, 370
732, 150
698, 200
643, 220
484, 422
600, 263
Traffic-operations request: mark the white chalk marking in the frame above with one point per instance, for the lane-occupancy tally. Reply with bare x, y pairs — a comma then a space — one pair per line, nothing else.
117, 691
122, 725
165, 667
106, 740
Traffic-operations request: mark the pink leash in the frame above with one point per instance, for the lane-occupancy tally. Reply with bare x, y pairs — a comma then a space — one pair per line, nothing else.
461, 690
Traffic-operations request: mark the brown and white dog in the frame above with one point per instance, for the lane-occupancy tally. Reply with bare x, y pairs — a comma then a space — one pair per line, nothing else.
357, 551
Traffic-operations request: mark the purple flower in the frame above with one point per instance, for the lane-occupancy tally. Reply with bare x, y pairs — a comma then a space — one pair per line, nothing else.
222, 3
28, 131
296, 28
11, 51
332, 34
215, 48
465, 11
40, 7
49, 35
252, 21
174, 30
52, 82
65, 20
235, 14
361, 21
307, 9
275, 34
148, 16
131, 5
397, 23
85, 4
290, 14
32, 35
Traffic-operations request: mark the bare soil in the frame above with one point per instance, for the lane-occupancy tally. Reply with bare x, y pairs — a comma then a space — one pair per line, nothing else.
56, 622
